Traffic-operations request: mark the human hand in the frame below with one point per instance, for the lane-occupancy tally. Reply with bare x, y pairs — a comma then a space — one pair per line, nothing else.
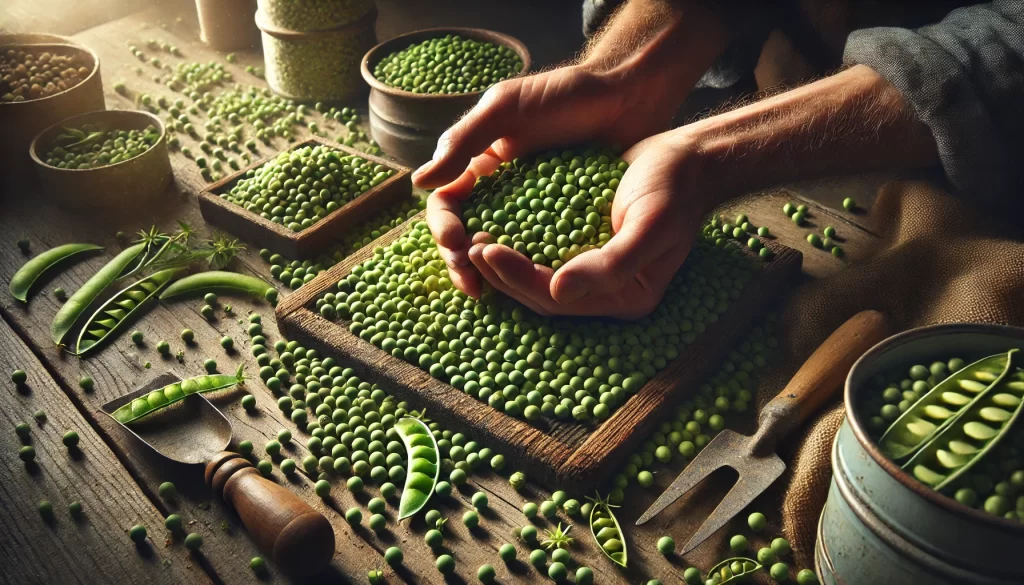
656, 214
569, 105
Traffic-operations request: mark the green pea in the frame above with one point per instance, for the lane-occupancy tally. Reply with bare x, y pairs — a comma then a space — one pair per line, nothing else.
507, 552
779, 572
19, 377
70, 439
393, 556
168, 491
187, 335
227, 343
666, 545
757, 521
486, 574
354, 516
193, 541
445, 564
471, 519
137, 533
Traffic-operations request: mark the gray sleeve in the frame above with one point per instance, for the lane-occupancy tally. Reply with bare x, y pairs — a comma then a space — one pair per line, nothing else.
964, 77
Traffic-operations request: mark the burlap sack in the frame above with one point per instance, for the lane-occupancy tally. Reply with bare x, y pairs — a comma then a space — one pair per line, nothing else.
939, 262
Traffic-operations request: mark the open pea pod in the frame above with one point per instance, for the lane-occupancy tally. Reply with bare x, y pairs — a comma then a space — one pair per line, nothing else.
424, 459
727, 573
607, 532
941, 406
981, 426
34, 269
121, 309
75, 306
168, 395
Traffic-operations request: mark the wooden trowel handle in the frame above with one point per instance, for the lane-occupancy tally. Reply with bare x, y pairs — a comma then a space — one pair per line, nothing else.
298, 539
822, 374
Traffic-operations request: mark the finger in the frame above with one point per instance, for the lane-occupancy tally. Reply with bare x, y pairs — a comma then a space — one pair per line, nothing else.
527, 280
646, 234
493, 117
476, 254
466, 279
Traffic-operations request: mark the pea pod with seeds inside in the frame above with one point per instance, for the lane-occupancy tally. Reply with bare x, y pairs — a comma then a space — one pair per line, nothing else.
121, 309
168, 395
424, 458
941, 406
607, 532
34, 269
975, 432
734, 570
219, 281
72, 310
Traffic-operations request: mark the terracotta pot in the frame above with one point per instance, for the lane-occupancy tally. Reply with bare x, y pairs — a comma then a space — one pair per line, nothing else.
22, 121
133, 182
227, 25
407, 125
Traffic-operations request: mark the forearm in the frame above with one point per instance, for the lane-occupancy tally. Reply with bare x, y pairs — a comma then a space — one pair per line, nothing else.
659, 47
851, 122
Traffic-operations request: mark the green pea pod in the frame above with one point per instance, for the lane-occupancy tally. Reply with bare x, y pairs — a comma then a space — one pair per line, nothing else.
168, 395
424, 459
727, 574
607, 532
974, 433
217, 281
941, 406
34, 269
72, 310
113, 315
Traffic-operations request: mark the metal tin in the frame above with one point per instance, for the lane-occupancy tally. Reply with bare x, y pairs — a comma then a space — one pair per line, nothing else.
407, 125
880, 525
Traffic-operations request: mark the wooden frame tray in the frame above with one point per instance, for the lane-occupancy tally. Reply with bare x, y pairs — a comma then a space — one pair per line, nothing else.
566, 455
253, 228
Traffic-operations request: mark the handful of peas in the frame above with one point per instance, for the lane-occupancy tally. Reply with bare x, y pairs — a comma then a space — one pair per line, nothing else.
91, 146
551, 208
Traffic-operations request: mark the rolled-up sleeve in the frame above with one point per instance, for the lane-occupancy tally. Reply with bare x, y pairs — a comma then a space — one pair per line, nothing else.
964, 77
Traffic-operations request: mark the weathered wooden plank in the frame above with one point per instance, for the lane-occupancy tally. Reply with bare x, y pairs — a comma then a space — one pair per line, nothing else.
95, 547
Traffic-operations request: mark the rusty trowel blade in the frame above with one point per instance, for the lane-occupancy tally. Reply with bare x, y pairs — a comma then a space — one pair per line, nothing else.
190, 431
728, 449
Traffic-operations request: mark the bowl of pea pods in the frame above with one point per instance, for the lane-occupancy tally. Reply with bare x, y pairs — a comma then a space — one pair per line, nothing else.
103, 159
423, 81
928, 467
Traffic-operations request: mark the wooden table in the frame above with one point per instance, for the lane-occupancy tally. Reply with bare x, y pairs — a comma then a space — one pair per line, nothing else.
116, 479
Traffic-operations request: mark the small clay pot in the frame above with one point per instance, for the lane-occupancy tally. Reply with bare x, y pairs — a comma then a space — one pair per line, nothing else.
137, 181
227, 25
22, 121
407, 125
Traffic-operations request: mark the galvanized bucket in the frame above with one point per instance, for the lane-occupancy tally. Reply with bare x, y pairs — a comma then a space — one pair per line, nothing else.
880, 525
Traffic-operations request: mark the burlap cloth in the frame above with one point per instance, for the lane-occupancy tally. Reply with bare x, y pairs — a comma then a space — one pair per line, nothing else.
939, 261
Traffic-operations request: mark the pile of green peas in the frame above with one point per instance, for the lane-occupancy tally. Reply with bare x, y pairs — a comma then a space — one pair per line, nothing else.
351, 423
402, 301
550, 209
101, 148
448, 64
295, 273
312, 15
300, 187
996, 483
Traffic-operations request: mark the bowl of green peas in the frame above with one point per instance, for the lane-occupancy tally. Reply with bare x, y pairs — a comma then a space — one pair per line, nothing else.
422, 82
103, 159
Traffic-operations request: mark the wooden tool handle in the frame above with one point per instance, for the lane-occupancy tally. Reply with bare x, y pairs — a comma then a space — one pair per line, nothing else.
822, 374
298, 539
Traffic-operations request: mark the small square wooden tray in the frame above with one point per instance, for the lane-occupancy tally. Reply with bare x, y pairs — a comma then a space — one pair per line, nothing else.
262, 232
562, 454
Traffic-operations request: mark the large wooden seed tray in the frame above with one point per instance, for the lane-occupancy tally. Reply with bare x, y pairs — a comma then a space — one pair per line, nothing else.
566, 455
254, 228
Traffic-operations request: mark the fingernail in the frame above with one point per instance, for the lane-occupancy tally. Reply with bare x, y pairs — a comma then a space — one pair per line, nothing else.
423, 168
571, 289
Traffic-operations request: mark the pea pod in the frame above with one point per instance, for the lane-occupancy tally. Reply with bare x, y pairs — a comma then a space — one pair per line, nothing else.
975, 432
941, 406
424, 459
728, 573
607, 532
72, 310
168, 395
35, 268
218, 281
120, 309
